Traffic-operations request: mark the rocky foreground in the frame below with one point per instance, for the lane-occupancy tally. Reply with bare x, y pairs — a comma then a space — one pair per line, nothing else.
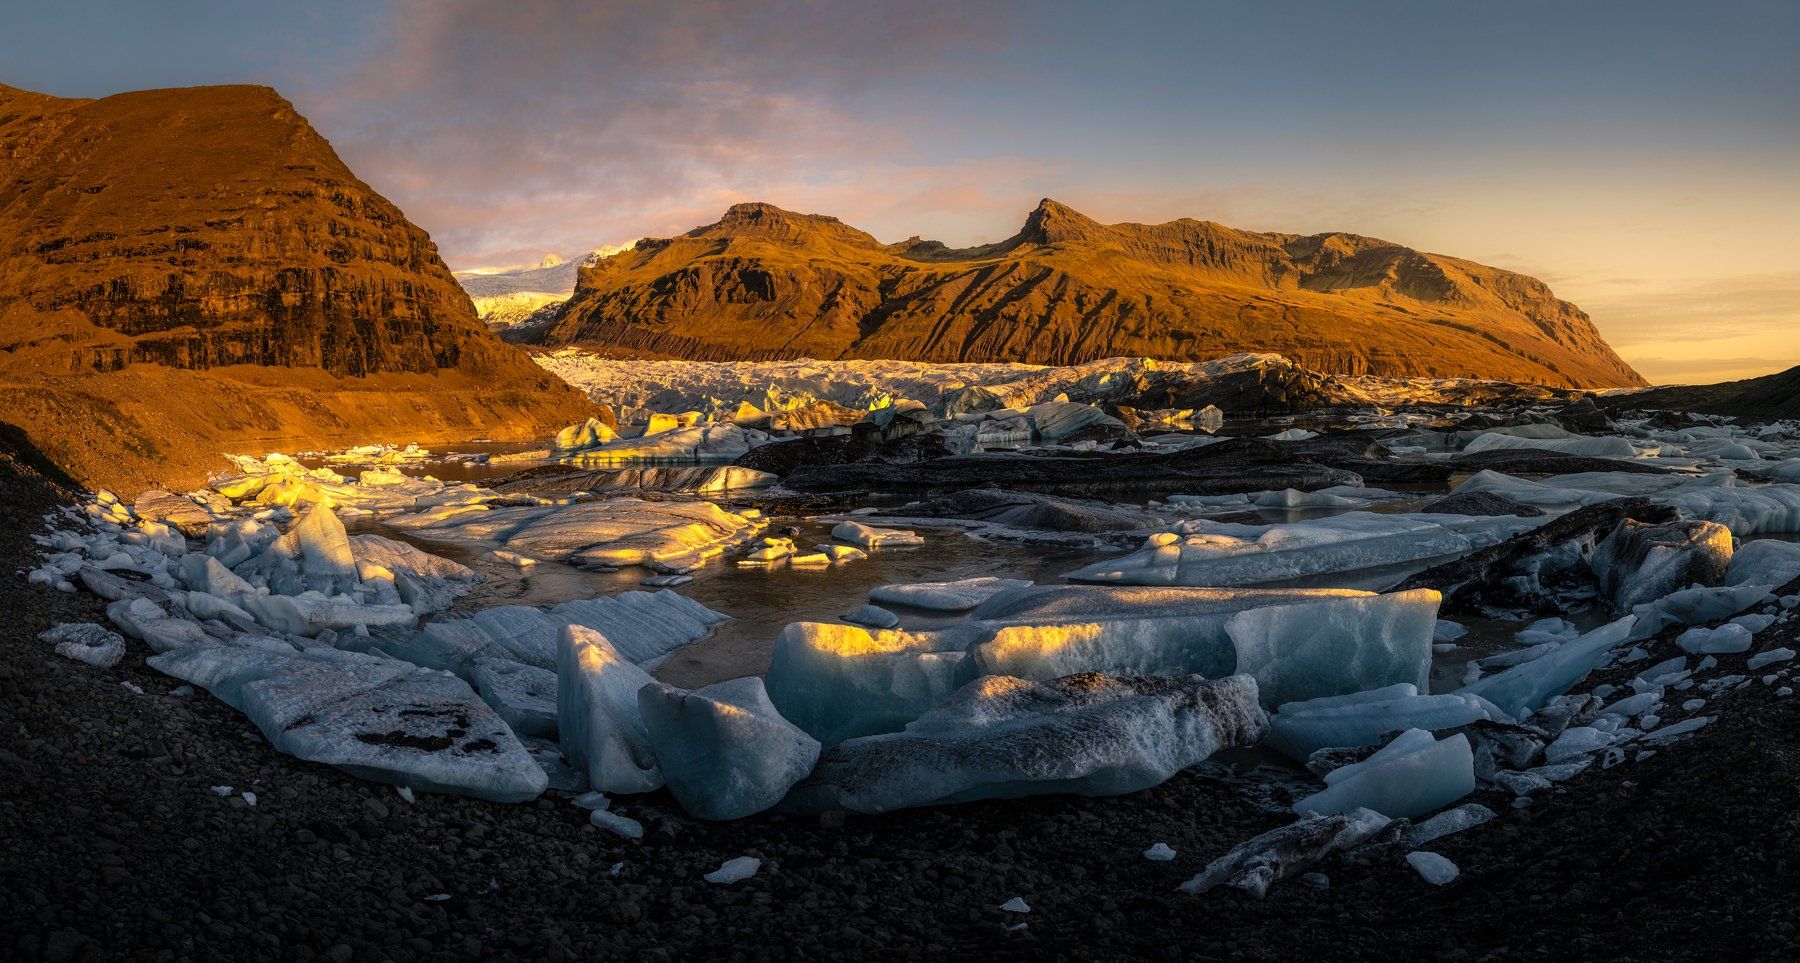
120, 848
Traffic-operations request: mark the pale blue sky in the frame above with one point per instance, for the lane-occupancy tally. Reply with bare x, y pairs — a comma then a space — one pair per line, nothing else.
1639, 156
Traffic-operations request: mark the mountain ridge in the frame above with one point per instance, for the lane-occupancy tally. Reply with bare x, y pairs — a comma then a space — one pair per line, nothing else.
204, 250
766, 283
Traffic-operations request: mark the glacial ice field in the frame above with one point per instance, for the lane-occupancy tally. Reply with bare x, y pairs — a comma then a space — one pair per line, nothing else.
924, 585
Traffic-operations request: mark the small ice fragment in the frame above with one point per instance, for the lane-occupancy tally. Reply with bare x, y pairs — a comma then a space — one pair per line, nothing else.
1160, 853
249, 798
133, 687
1016, 927
734, 870
1016, 905
1784, 692
222, 790
616, 824
1315, 881
592, 801
617, 868
1770, 657
1435, 869
1693, 704
437, 897
182, 691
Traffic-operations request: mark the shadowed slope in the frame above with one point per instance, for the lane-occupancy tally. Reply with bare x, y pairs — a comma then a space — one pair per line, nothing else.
175, 260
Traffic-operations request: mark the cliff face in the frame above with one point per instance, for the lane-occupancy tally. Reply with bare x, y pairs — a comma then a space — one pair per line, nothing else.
166, 233
767, 283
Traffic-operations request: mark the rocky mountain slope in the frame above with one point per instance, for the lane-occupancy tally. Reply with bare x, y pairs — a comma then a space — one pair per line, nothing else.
764, 283
195, 270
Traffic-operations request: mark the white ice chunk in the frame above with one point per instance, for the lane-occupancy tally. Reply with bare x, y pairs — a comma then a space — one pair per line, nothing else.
1523, 689
1159, 852
841, 681
1757, 661
1301, 728
1227, 554
1432, 868
874, 617
1409, 777
734, 870
724, 750
523, 695
870, 537
956, 596
1727, 638
1591, 447
1338, 646
598, 722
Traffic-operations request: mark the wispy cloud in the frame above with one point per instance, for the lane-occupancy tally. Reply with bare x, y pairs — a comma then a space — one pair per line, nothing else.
509, 128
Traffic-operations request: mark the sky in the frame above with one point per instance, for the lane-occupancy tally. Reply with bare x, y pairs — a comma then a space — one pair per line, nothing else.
1643, 158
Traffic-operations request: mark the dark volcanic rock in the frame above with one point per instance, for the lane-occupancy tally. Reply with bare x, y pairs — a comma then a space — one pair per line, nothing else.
1524, 461
1640, 563
1029, 510
1480, 503
1490, 575
865, 443
1583, 417
1235, 465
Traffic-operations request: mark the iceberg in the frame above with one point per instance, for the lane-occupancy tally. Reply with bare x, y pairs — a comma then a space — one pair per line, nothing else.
614, 532
1229, 554
957, 596
1521, 690
598, 721
1605, 447
1003, 738
1410, 776
724, 750
376, 718
643, 627
868, 537
837, 682
1335, 647
522, 695
1298, 729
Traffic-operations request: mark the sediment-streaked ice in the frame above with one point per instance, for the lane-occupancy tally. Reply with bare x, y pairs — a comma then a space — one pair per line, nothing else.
1001, 738
1229, 554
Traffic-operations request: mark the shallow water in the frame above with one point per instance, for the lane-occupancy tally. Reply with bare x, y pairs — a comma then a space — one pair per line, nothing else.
446, 468
762, 600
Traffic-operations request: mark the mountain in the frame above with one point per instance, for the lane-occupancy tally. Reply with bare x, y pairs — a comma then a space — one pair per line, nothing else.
1770, 396
764, 283
509, 297
190, 271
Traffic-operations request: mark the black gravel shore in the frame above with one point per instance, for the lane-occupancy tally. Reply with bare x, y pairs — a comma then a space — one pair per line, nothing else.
114, 847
